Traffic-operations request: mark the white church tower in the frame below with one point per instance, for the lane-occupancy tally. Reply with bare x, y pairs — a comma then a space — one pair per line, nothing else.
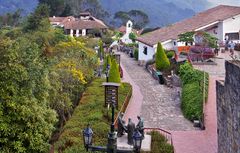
129, 25
125, 39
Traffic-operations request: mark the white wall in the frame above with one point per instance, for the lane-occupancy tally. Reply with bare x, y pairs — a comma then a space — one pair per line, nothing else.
150, 52
84, 32
169, 45
125, 39
231, 25
220, 34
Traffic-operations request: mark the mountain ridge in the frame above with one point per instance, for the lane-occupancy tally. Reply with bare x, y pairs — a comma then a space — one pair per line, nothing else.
160, 12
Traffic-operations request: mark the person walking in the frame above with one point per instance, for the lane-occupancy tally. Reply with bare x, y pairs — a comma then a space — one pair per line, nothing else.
232, 45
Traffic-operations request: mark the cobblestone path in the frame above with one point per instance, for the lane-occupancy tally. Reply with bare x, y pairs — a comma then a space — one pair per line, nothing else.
160, 105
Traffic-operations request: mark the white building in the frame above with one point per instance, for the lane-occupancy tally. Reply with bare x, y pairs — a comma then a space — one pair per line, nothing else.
221, 21
125, 38
81, 26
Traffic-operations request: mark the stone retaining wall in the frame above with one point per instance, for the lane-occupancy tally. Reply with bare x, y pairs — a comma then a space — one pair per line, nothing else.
228, 109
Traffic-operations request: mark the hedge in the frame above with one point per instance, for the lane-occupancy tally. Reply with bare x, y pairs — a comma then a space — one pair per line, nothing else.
192, 91
90, 110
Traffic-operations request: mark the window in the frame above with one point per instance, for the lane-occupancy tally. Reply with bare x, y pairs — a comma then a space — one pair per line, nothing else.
232, 36
145, 50
129, 25
174, 43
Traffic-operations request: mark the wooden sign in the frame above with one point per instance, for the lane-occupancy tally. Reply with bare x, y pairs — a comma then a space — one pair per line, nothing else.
111, 94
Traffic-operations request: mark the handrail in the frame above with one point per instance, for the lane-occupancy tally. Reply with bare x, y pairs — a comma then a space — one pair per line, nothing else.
127, 99
165, 133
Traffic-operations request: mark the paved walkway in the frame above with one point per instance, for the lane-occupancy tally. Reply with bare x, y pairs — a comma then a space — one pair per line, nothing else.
160, 105
201, 141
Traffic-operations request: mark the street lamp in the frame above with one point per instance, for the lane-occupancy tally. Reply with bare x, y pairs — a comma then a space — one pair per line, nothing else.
107, 71
87, 137
137, 141
88, 134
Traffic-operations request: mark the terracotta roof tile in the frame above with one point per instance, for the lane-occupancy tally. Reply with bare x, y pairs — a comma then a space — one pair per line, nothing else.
83, 24
218, 13
75, 23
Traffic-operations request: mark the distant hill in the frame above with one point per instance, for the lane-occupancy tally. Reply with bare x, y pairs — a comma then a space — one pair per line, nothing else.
159, 12
27, 6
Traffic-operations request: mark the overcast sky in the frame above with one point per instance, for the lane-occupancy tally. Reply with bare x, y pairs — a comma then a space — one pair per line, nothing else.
228, 2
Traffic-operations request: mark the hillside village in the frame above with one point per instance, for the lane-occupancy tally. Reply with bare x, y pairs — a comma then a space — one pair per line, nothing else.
73, 83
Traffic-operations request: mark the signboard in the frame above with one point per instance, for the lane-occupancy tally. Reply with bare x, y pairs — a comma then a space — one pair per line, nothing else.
111, 94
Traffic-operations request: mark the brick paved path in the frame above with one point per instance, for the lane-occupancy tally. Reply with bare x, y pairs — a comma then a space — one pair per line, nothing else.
160, 104
201, 141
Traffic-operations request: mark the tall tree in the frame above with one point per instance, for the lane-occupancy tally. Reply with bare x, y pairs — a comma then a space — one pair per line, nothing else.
38, 19
114, 75
162, 62
11, 19
186, 37
56, 7
26, 119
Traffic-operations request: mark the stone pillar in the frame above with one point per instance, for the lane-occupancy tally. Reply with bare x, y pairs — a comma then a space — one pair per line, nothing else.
84, 32
77, 33
71, 32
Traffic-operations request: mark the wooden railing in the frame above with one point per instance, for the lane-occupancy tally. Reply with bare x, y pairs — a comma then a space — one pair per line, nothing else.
124, 106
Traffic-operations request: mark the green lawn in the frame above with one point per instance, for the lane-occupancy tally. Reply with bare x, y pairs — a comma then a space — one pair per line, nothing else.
90, 110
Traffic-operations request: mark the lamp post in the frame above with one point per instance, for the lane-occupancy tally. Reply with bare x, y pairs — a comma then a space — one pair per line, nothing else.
87, 137
137, 141
107, 71
111, 98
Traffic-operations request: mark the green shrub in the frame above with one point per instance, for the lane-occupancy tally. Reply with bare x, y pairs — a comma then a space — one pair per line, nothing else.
159, 144
192, 101
162, 62
132, 36
132, 45
90, 110
188, 74
107, 40
114, 75
192, 92
170, 54
136, 53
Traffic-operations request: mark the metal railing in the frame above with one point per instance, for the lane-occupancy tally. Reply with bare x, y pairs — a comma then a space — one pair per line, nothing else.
165, 133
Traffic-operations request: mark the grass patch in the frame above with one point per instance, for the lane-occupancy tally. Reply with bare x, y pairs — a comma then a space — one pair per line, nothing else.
159, 144
90, 110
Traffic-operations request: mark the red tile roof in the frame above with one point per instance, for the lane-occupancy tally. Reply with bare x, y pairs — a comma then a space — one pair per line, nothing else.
56, 19
207, 17
84, 24
73, 23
